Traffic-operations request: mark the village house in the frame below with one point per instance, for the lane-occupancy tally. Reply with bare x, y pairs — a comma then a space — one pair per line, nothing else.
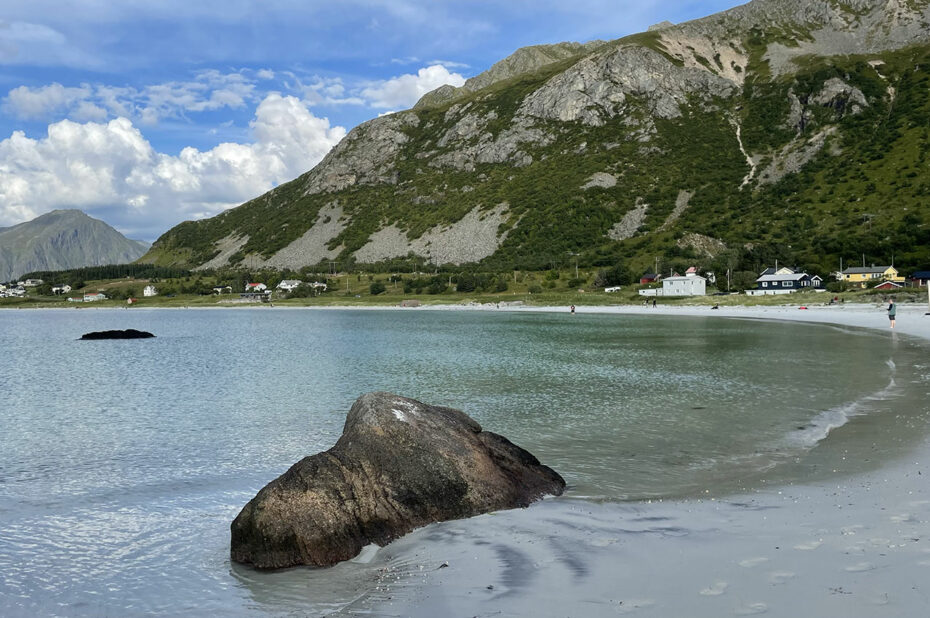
90, 298
149, 290
255, 287
316, 285
649, 278
862, 276
692, 284
32, 283
61, 289
222, 289
888, 285
784, 280
289, 285
920, 278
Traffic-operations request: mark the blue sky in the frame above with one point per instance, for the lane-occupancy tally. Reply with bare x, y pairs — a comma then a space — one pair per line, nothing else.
148, 113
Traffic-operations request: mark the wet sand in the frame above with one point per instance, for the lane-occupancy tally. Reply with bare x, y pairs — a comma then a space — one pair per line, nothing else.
846, 545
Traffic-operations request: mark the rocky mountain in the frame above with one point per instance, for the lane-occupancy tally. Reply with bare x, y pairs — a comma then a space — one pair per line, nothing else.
63, 239
781, 129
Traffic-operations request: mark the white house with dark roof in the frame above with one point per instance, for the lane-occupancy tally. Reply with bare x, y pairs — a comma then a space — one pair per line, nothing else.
784, 280
149, 290
289, 285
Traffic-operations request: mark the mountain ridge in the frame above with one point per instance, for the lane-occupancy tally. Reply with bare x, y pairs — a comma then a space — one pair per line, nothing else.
734, 110
63, 239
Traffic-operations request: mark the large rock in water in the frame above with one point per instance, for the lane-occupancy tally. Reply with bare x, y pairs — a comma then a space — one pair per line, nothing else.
400, 464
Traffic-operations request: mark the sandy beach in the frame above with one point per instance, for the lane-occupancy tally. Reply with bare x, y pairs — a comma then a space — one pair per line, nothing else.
854, 545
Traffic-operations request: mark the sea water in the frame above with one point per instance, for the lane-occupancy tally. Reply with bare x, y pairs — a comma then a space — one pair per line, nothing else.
122, 463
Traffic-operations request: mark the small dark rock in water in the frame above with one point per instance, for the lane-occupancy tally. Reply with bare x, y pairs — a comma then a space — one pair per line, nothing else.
400, 464
129, 333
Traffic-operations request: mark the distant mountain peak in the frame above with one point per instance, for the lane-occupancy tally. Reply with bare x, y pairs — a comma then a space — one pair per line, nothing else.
63, 239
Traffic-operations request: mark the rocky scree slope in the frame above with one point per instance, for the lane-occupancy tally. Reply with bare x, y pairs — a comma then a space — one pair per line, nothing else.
780, 127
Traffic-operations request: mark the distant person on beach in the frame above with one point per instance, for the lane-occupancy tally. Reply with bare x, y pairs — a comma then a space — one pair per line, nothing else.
891, 312
653, 303
573, 308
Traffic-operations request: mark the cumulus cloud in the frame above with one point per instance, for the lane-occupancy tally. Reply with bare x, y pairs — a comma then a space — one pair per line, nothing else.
326, 91
37, 103
405, 90
112, 167
208, 91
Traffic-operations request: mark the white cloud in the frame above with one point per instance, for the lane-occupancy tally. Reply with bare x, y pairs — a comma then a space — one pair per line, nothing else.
111, 166
208, 91
24, 42
450, 64
405, 90
36, 103
326, 91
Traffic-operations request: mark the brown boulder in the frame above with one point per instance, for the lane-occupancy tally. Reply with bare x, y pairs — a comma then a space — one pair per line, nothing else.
399, 464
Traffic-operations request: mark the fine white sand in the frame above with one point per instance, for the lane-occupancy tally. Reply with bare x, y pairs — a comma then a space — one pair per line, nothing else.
851, 545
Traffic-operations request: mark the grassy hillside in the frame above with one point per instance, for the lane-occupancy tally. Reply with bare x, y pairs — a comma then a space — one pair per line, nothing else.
865, 192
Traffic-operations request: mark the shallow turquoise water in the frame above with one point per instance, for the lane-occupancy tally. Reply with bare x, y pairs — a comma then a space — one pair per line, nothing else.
123, 462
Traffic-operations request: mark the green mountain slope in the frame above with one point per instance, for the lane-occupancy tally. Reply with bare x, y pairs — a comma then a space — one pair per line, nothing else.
794, 130
63, 239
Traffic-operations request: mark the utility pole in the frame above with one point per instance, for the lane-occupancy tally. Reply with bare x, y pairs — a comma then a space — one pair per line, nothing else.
576, 262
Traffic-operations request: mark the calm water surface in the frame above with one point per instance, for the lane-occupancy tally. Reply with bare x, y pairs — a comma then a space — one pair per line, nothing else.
123, 462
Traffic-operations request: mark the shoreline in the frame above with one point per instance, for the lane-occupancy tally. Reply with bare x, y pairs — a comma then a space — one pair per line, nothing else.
854, 545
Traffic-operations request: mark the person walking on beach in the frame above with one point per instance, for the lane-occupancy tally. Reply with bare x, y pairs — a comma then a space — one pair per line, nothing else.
891, 312
573, 309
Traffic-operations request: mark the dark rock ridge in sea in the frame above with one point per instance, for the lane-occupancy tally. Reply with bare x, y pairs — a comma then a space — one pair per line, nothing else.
61, 240
399, 464
129, 333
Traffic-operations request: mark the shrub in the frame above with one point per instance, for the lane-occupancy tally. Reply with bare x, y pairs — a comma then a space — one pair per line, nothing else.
535, 289
376, 288
576, 282
466, 283
437, 287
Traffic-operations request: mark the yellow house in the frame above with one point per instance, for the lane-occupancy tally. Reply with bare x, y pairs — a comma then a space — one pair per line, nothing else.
862, 276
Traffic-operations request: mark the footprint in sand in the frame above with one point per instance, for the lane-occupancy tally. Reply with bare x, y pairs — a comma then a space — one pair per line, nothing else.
810, 545
851, 530
860, 567
751, 609
716, 590
603, 542
630, 606
780, 577
751, 562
